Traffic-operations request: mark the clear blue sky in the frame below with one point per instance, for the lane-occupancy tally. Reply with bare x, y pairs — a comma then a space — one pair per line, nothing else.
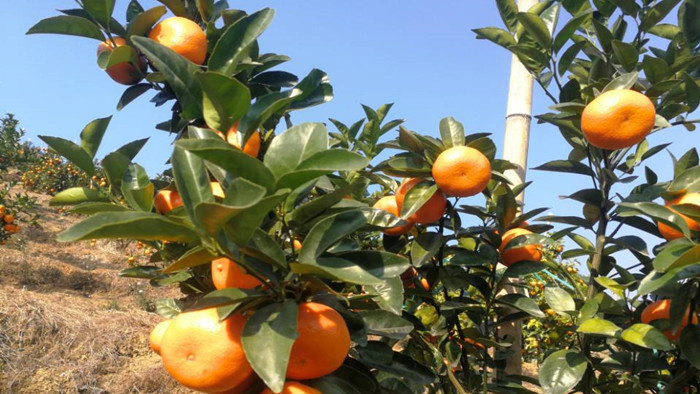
420, 55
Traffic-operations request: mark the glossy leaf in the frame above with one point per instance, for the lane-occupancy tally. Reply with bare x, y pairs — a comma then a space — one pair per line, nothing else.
177, 7
416, 197
142, 23
77, 195
690, 346
566, 166
289, 149
647, 336
659, 213
92, 207
71, 151
178, 72
389, 294
559, 300
626, 54
508, 11
267, 341
496, 35
598, 326
568, 31
451, 132
132, 225
137, 188
91, 136
561, 371
386, 324
132, 93
234, 44
226, 100
192, 258
241, 195
536, 27
69, 25
522, 303
192, 181
248, 220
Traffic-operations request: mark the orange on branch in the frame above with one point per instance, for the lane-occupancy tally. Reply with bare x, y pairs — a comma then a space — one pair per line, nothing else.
461, 171
166, 201
225, 273
322, 344
431, 211
388, 203
618, 119
662, 310
205, 354
522, 253
182, 36
671, 233
9, 219
125, 73
156, 337
294, 388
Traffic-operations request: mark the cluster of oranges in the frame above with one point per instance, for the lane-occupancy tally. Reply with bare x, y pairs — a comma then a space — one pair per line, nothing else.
8, 221
182, 35
51, 175
205, 353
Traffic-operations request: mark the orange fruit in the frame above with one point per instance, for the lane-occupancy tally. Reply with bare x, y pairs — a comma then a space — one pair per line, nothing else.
461, 171
322, 344
2, 209
125, 73
217, 190
294, 388
12, 228
233, 137
156, 337
296, 244
618, 119
205, 354
182, 36
426, 285
514, 255
431, 211
225, 273
166, 201
671, 233
662, 310
9, 219
388, 203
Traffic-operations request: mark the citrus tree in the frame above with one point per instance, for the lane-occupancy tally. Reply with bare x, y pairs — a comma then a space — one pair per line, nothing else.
305, 263
617, 71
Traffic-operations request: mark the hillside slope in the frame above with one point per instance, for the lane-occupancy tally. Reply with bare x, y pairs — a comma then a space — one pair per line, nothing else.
68, 323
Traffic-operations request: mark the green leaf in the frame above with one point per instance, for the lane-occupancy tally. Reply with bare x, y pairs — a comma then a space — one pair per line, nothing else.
386, 324
603, 34
308, 211
561, 371
522, 268
232, 160
657, 13
425, 247
71, 151
77, 195
451, 132
658, 213
559, 300
241, 195
248, 221
624, 81
192, 258
192, 181
177, 7
665, 30
693, 91
690, 346
289, 149
68, 25
568, 57
536, 27
129, 225
142, 23
91, 207
626, 54
508, 11
235, 42
416, 197
530, 57
132, 93
568, 31
137, 188
598, 326
226, 100
134, 8
116, 56
178, 72
389, 294
496, 35
91, 136
646, 336
205, 8
677, 255
168, 307
101, 10
611, 285
655, 69
520, 302
329, 231
687, 181
688, 22
267, 341
116, 163
566, 166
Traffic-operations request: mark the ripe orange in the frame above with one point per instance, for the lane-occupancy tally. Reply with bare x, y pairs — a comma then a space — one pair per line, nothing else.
671, 233
431, 211
225, 273
9, 219
296, 244
2, 209
618, 119
233, 137
166, 201
12, 228
322, 345
514, 255
156, 337
294, 388
182, 36
388, 203
662, 310
462, 171
426, 285
205, 354
124, 73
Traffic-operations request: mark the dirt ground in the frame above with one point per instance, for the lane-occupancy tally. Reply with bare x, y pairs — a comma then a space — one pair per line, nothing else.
68, 322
